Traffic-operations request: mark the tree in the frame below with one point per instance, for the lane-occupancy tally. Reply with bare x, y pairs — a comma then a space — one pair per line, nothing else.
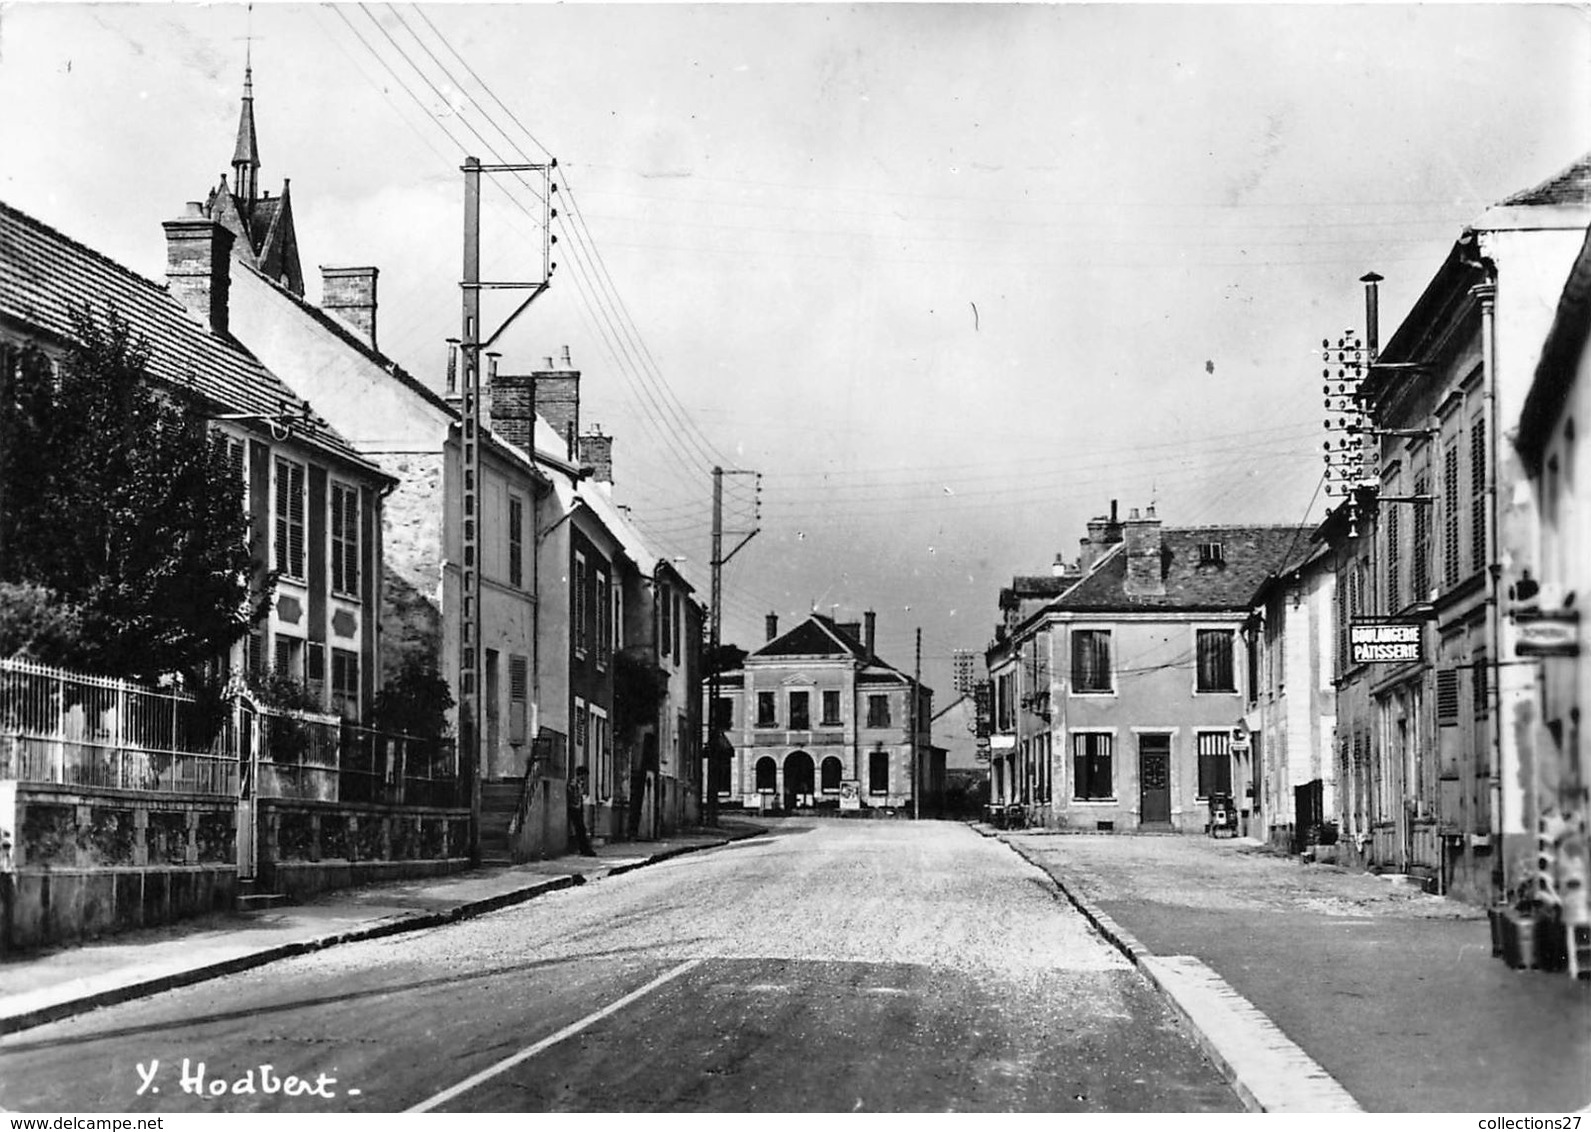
121, 499
415, 700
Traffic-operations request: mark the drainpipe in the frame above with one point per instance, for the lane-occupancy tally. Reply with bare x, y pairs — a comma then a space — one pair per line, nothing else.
1486, 292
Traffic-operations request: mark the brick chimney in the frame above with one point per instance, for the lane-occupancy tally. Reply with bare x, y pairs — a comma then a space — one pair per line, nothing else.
552, 393
1103, 533
870, 625
596, 452
350, 294
1144, 574
198, 265
772, 624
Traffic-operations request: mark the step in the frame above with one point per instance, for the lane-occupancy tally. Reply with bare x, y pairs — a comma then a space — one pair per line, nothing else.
259, 901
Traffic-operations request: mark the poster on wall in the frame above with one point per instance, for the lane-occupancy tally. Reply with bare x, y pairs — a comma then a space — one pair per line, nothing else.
850, 794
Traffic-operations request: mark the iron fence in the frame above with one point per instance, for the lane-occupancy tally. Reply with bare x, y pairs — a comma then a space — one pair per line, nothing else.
87, 731
73, 729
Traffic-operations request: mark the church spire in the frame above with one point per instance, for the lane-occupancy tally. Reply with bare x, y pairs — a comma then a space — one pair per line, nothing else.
246, 157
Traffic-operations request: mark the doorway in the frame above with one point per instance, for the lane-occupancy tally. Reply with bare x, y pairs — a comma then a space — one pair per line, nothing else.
1154, 780
798, 780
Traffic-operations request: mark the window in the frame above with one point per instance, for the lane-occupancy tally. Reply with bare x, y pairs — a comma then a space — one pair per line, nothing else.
679, 620
345, 683
1482, 687
290, 518
1091, 767
666, 634
767, 714
878, 772
831, 773
831, 707
1420, 567
878, 711
800, 717
723, 714
1091, 660
494, 703
1393, 589
518, 698
1477, 489
581, 598
1447, 697
1214, 648
254, 655
289, 659
315, 671
601, 755
767, 774
1004, 709
344, 539
516, 542
1451, 567
1215, 764
604, 611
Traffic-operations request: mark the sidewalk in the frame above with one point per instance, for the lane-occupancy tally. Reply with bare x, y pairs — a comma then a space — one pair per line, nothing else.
1285, 970
42, 987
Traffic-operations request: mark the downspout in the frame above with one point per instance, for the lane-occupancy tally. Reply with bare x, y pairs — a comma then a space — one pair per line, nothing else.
1486, 292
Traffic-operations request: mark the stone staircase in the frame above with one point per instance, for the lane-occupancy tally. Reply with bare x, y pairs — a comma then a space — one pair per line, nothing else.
499, 801
251, 899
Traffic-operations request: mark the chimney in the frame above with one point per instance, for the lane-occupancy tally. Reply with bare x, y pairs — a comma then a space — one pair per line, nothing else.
596, 452
350, 294
870, 623
772, 622
198, 254
1144, 574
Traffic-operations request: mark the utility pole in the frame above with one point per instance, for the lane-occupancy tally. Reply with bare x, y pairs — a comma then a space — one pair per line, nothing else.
470, 348
715, 619
917, 677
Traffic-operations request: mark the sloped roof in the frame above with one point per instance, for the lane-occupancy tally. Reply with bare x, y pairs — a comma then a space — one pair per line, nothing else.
816, 636
44, 274
1559, 363
1250, 555
1571, 185
1034, 586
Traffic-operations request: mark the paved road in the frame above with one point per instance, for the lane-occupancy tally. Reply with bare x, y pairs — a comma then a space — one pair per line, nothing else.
876, 966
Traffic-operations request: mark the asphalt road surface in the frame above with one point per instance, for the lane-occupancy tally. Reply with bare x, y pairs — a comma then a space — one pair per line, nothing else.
827, 966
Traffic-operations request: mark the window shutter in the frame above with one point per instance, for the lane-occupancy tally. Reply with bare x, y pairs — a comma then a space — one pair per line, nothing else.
518, 697
1451, 567
1447, 697
1477, 487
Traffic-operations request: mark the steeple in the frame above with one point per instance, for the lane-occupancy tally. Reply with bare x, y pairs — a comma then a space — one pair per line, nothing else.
246, 157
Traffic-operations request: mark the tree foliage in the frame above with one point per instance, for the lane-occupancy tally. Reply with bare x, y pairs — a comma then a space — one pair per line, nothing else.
121, 500
415, 700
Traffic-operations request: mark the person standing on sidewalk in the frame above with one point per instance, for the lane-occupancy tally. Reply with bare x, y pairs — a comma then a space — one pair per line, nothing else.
576, 798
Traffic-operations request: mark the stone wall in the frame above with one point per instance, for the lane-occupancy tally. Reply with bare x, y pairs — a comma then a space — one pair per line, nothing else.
86, 863
308, 846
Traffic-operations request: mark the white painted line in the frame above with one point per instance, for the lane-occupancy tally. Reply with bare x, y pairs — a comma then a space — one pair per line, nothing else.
568, 1031
1261, 1061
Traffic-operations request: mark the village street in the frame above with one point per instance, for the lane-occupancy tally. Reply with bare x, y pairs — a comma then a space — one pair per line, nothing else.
823, 966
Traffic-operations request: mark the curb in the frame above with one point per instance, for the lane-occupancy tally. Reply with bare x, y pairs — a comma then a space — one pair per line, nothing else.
415, 921
1136, 953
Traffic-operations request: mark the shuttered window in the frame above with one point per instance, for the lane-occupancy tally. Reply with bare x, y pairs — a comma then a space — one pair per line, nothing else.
516, 542
518, 697
1091, 767
1394, 545
1477, 487
344, 539
1420, 564
290, 518
1447, 697
1452, 568
1215, 763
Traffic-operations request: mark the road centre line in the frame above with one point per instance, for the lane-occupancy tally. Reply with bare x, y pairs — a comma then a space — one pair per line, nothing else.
568, 1031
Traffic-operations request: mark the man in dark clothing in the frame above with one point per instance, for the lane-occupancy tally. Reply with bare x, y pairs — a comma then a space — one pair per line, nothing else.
576, 797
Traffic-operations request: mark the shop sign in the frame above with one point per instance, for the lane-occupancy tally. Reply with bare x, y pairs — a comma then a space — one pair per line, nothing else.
1547, 634
850, 794
1385, 642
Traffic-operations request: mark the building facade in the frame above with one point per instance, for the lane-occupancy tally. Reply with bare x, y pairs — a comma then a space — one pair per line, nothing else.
816, 718
1122, 694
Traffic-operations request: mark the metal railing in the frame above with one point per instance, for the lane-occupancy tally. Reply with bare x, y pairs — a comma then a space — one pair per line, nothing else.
324, 758
73, 729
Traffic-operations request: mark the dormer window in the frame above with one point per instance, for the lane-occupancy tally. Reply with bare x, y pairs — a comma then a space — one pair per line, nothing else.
1212, 553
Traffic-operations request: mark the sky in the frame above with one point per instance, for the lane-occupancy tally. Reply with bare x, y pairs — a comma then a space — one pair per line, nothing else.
951, 278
